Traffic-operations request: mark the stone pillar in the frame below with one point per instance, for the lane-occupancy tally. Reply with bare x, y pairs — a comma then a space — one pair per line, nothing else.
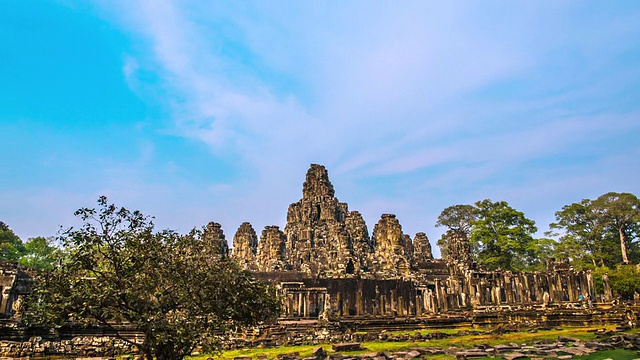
326, 306
607, 288
300, 305
359, 300
394, 308
441, 293
305, 307
590, 286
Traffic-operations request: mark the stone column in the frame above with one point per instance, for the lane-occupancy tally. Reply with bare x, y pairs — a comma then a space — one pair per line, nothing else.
305, 306
607, 288
592, 290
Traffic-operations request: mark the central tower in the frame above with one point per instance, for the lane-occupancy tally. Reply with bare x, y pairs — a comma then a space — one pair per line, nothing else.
323, 237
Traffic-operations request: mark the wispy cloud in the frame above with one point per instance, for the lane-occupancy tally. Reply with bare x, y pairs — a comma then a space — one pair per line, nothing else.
377, 90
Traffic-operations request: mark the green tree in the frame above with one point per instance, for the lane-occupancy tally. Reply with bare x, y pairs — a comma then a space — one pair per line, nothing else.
591, 230
582, 233
11, 247
505, 237
172, 288
457, 219
619, 213
624, 280
40, 253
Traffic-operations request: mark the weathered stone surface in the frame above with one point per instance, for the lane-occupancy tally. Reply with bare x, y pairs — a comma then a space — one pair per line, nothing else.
408, 247
319, 353
213, 236
245, 246
421, 249
458, 250
412, 354
318, 240
361, 242
515, 356
389, 257
272, 249
346, 347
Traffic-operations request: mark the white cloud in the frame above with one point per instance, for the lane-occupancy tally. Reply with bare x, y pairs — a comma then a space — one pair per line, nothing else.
374, 90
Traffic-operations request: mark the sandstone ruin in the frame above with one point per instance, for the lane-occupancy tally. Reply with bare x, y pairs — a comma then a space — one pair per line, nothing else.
335, 278
326, 265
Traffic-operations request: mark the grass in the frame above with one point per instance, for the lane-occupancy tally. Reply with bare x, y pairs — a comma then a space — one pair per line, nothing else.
618, 354
466, 341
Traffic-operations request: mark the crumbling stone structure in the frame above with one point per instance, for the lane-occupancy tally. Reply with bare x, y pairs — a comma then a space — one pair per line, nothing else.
245, 247
272, 250
15, 283
213, 236
326, 266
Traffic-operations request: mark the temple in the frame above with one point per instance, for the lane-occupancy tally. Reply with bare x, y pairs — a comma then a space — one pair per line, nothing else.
326, 265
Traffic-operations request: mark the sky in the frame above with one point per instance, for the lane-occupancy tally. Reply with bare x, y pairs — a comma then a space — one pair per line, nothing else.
195, 111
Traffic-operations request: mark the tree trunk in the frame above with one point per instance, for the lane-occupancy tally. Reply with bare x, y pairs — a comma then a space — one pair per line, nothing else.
148, 355
623, 245
167, 351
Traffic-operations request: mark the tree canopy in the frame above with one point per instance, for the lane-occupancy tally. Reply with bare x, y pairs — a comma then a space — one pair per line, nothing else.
619, 213
172, 288
11, 247
505, 236
500, 236
458, 218
601, 231
40, 253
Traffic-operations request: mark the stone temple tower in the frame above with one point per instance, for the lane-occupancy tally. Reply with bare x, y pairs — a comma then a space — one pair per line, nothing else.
322, 235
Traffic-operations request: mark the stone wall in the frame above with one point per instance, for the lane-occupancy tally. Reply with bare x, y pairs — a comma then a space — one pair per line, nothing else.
80, 347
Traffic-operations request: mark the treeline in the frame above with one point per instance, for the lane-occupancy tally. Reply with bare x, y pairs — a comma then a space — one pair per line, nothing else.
590, 233
599, 234
39, 252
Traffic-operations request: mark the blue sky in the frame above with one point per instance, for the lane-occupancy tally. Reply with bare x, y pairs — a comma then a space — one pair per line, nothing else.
213, 111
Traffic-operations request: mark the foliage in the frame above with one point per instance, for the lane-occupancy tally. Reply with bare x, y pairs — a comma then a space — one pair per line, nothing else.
173, 289
500, 236
458, 218
11, 247
619, 213
505, 237
623, 279
599, 232
40, 253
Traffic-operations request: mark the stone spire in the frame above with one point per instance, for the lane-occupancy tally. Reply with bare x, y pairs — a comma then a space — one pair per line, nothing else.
213, 237
422, 249
271, 249
317, 183
245, 246
318, 240
408, 247
458, 250
360, 240
390, 258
